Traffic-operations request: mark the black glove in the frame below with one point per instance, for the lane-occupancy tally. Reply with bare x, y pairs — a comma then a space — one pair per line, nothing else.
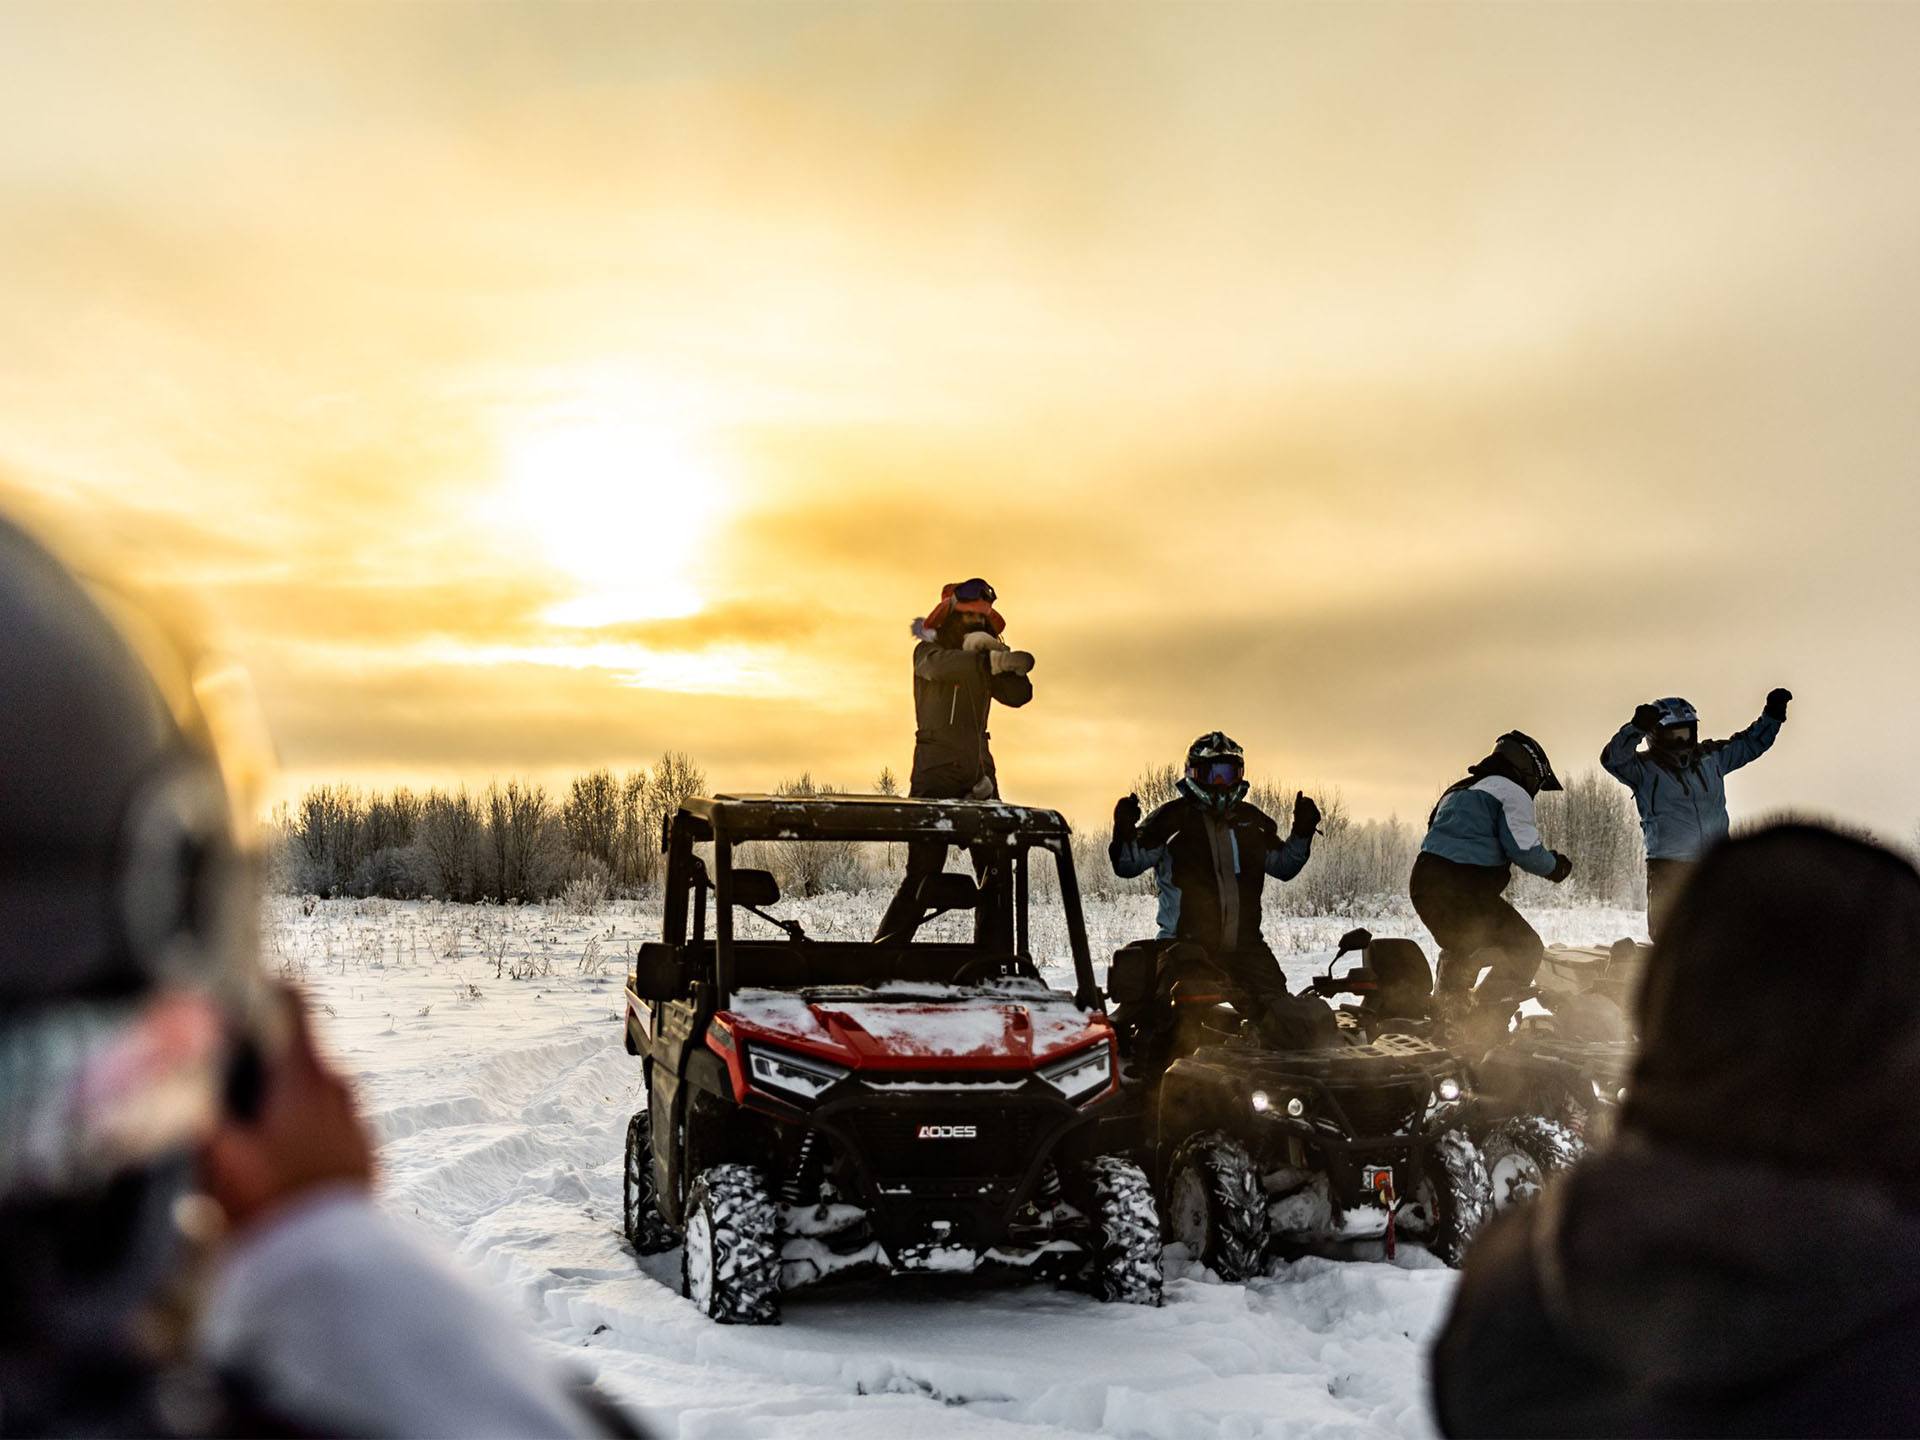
1562, 867
1306, 814
1646, 718
1777, 703
1126, 817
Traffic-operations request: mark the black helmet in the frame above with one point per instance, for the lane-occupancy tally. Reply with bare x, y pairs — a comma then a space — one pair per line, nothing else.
1217, 768
1677, 726
128, 960
1528, 758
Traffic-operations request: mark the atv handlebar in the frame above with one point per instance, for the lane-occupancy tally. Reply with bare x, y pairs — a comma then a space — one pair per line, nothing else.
1355, 982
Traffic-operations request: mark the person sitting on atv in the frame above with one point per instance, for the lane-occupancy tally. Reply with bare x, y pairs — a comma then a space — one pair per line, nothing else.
960, 667
1484, 826
1211, 851
1740, 1261
1679, 785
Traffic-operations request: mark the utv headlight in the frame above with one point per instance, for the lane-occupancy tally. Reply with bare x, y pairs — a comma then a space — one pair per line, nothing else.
1448, 1089
1083, 1074
792, 1076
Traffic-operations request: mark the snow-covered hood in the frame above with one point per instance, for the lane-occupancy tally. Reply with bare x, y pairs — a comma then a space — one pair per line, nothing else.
918, 1027
1700, 1275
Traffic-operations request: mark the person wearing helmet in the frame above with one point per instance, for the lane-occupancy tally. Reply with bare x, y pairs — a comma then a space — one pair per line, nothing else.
1483, 826
1679, 785
961, 666
145, 1063
1210, 852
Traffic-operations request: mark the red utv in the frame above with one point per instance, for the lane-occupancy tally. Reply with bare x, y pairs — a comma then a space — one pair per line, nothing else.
816, 1106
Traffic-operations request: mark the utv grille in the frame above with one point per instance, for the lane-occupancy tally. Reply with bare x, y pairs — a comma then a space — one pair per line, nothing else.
1382, 1109
895, 1147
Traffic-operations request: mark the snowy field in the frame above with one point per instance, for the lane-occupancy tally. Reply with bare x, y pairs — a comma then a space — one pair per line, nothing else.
486, 1042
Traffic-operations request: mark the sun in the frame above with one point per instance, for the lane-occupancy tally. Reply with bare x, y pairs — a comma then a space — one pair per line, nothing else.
625, 510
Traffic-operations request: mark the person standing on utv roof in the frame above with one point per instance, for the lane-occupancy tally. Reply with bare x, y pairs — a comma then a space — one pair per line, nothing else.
1744, 1259
1483, 826
960, 667
1211, 852
1679, 785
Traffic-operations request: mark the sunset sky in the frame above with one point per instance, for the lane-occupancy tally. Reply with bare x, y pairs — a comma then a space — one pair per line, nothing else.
526, 388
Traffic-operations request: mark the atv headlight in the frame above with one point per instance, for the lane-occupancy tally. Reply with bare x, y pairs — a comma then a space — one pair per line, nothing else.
792, 1076
1083, 1074
1265, 1102
1446, 1091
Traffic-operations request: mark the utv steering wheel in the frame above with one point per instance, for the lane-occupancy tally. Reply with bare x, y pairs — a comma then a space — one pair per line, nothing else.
982, 968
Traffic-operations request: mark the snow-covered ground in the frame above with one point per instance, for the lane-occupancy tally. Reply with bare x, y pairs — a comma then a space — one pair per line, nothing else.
501, 1104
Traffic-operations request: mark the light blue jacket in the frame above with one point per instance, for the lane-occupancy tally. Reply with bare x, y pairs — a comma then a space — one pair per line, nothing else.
1683, 808
1490, 823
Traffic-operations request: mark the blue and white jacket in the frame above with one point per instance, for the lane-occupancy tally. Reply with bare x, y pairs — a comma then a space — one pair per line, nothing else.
1683, 801
1489, 823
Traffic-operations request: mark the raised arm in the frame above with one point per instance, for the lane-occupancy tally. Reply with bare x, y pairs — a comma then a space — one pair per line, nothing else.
1288, 858
1621, 759
1754, 741
1125, 852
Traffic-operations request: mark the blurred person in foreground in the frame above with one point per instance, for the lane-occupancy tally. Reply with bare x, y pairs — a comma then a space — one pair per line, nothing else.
188, 1243
1745, 1258
961, 666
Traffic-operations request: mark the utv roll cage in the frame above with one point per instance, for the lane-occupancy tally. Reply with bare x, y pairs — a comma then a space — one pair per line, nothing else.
728, 821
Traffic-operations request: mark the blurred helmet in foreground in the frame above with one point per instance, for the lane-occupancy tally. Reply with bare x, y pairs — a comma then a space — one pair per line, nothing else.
129, 765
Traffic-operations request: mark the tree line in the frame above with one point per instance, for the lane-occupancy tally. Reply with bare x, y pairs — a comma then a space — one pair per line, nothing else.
511, 841
601, 836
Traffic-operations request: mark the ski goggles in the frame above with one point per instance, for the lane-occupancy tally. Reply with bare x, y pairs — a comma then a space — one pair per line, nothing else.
1217, 774
974, 592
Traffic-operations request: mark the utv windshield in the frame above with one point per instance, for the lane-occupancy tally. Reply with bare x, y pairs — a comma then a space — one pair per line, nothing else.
772, 893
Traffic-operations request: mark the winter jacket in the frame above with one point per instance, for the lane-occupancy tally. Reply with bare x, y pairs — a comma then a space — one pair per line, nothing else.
1683, 800
1654, 1292
1211, 866
953, 691
1488, 821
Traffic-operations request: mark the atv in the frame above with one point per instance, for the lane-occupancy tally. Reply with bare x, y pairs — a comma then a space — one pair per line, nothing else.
816, 1107
1262, 1151
1546, 1086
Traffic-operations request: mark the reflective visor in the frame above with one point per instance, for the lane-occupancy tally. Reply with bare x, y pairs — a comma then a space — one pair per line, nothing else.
1217, 774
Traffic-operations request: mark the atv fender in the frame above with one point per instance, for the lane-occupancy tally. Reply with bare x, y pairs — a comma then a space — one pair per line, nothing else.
1195, 1096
